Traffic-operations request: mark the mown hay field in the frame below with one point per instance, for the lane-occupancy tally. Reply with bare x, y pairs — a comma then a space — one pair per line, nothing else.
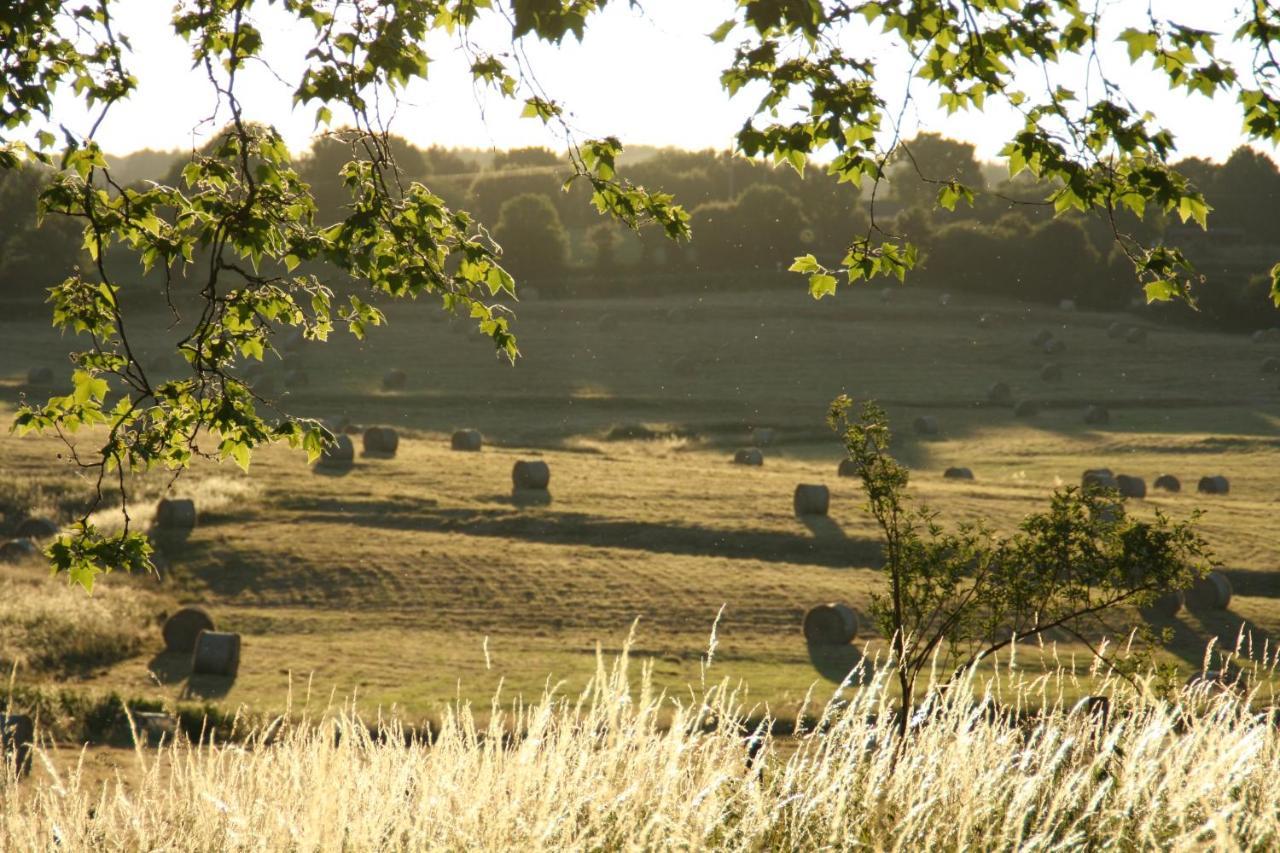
416, 580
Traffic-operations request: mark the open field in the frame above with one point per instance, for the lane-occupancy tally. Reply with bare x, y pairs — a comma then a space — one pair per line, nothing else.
415, 580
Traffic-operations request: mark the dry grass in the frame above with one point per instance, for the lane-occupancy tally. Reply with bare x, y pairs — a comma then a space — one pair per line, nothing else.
622, 766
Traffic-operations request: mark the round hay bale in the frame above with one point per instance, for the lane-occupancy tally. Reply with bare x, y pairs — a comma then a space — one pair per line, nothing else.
1067, 305
1167, 483
1131, 487
1026, 409
1211, 592
926, 425
40, 376
394, 379
176, 514
1271, 364
763, 436
469, 440
831, 624
38, 528
1097, 415
1051, 372
1054, 346
849, 468
17, 738
216, 653
1099, 478
18, 550
999, 392
749, 456
1116, 331
1165, 606
957, 474
295, 379
340, 453
381, 441
1042, 337
811, 499
181, 629
1213, 485
1135, 335
531, 474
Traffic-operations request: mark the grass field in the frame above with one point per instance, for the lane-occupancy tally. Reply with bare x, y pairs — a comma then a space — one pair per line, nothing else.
416, 580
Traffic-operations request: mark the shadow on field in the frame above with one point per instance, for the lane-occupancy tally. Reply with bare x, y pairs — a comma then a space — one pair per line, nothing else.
823, 528
1253, 582
1188, 644
834, 662
170, 668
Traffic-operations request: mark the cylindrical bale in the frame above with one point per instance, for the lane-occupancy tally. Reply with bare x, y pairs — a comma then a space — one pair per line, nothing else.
216, 653
469, 440
957, 474
1166, 606
381, 441
394, 379
17, 738
748, 456
1270, 364
530, 474
1117, 331
1214, 485
811, 499
1026, 409
1097, 415
341, 453
1099, 478
831, 624
926, 425
1131, 487
18, 550
1168, 483
1042, 337
1136, 335
999, 392
1051, 372
38, 528
1211, 592
176, 514
181, 629
1054, 346
849, 468
40, 376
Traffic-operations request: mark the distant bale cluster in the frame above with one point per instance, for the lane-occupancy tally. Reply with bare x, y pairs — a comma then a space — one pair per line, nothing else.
1136, 487
1216, 485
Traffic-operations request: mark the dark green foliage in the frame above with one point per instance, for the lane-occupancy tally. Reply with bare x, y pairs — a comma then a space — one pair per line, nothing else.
530, 234
751, 232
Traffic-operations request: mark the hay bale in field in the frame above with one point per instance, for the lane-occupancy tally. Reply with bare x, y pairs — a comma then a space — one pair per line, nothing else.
41, 376
1042, 337
748, 456
469, 440
182, 628
925, 425
849, 468
763, 436
394, 379
176, 514
1167, 483
1131, 487
1099, 478
1026, 409
17, 739
1166, 606
1117, 330
1270, 364
1136, 335
530, 475
957, 474
381, 441
831, 624
1096, 708
1097, 415
1067, 305
811, 499
38, 528
1051, 372
296, 379
1000, 393
340, 454
216, 653
1211, 592
1218, 485
18, 551
1053, 346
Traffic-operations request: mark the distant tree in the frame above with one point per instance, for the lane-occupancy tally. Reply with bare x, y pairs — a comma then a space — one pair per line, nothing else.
750, 231
31, 253
532, 237
534, 157
922, 166
605, 239
1245, 194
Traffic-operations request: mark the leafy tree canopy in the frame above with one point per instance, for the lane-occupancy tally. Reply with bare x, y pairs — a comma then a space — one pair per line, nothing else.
243, 209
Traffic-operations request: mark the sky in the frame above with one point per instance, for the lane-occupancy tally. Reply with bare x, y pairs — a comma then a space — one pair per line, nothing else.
649, 76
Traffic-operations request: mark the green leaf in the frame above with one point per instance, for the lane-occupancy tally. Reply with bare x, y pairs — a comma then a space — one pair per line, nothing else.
822, 284
1162, 291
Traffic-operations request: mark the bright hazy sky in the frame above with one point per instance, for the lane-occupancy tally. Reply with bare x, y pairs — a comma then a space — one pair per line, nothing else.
648, 77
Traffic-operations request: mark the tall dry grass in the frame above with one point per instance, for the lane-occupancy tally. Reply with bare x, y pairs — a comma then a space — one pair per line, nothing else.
620, 766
